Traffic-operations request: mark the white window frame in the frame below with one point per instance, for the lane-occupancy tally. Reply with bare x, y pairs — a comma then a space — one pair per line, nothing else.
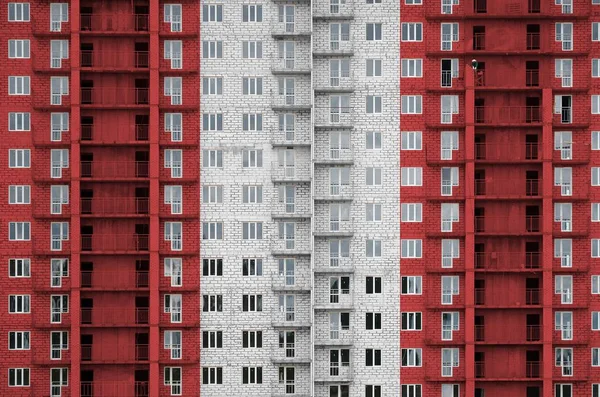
414, 357
212, 158
59, 304
19, 121
411, 212
212, 194
59, 87
173, 51
173, 343
19, 194
19, 49
411, 248
564, 34
562, 361
174, 234
412, 68
563, 285
19, 85
22, 304
412, 32
172, 15
22, 374
174, 126
411, 176
173, 269
412, 104
414, 285
563, 322
19, 267
19, 231
20, 340
174, 162
450, 360
173, 88
18, 12
173, 197
173, 305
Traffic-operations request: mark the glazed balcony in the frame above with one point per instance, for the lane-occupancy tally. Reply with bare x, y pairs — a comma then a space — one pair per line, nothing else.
114, 60
111, 24
329, 11
114, 97
101, 135
124, 354
114, 243
508, 115
495, 297
99, 280
114, 206
508, 153
518, 335
114, 170
508, 261
115, 388
491, 188
114, 316
507, 226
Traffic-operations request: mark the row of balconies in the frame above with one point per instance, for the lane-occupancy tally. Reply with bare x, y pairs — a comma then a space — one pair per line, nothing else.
515, 9
114, 388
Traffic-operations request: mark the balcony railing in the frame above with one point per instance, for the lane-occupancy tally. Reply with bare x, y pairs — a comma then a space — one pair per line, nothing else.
532, 369
479, 369
296, 172
331, 117
487, 296
115, 206
508, 187
507, 152
290, 65
483, 79
114, 96
507, 225
533, 333
479, 333
115, 59
120, 354
337, 10
114, 169
115, 242
112, 316
114, 280
117, 134
114, 388
508, 260
114, 23
507, 115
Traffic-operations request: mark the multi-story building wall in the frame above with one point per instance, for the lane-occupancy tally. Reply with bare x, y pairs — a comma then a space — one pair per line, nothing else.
100, 213
499, 290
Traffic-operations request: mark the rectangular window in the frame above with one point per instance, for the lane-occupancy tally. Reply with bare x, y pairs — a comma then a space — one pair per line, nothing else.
563, 214
450, 215
252, 339
595, 357
59, 196
563, 69
212, 121
563, 390
173, 16
212, 230
595, 285
18, 12
59, 232
595, 321
449, 108
563, 285
174, 234
19, 304
412, 104
59, 87
172, 342
59, 160
564, 360
373, 212
212, 303
411, 321
596, 67
252, 86
373, 321
595, 31
59, 50
373, 140
252, 267
252, 230
212, 49
563, 322
174, 271
252, 13
19, 85
18, 377
18, 340
372, 357
411, 357
172, 376
18, 49
59, 269
173, 89
373, 248
19, 194
251, 375
19, 231
411, 140
173, 51
59, 13
412, 68
173, 125
212, 339
252, 194
412, 31
449, 32
19, 158
595, 104
373, 285
173, 161
253, 158
411, 176
212, 267
450, 288
252, 303
373, 175
450, 251
173, 305
59, 304
411, 248
564, 34
19, 267
374, 68
212, 376
19, 121
449, 361
412, 390
212, 86
411, 285
252, 122
411, 212
374, 32
212, 194
374, 104
173, 197
212, 13
59, 342
252, 49
450, 323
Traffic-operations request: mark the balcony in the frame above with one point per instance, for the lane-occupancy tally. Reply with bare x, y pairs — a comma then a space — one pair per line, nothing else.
523, 9
113, 97
496, 80
334, 191
290, 102
120, 354
491, 188
334, 264
99, 280
115, 206
297, 386
114, 61
111, 24
508, 261
334, 337
299, 244
286, 66
518, 335
292, 353
334, 372
332, 228
329, 11
286, 173
337, 299
297, 209
114, 388
291, 319
507, 226
114, 316
508, 115
508, 153
114, 170
334, 117
338, 46
507, 370
328, 155
290, 282
340, 82
492, 297
290, 26
114, 243
97, 135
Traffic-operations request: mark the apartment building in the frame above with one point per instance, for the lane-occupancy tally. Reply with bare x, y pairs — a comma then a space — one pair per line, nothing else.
100, 218
499, 286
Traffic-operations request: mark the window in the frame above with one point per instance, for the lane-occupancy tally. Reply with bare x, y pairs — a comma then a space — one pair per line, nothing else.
449, 361
212, 49
450, 71
563, 142
173, 161
563, 177
411, 285
412, 68
373, 176
59, 13
252, 303
173, 16
563, 322
59, 160
252, 13
19, 231
595, 321
174, 234
411, 357
59, 86
173, 197
411, 390
450, 215
252, 194
449, 35
373, 212
19, 267
59, 342
449, 108
59, 377
412, 31
18, 85
595, 31
449, 143
372, 321
59, 304
18, 12
212, 13
251, 375
19, 194
173, 125
412, 104
563, 285
450, 323
19, 121
212, 86
212, 339
253, 158
212, 230
564, 359
411, 248
286, 232
372, 391
59, 269
252, 85
212, 194
173, 380
59, 50
373, 285
374, 68
252, 122
412, 321
374, 104
595, 248
212, 303
212, 121
563, 390
411, 176
450, 251
18, 377
252, 230
595, 357
173, 89
595, 386
59, 232
411, 140
564, 34
372, 357
373, 248
563, 69
59, 124
19, 158
563, 213
449, 180
18, 49
412, 212
18, 340
413, 2
172, 341
338, 32
252, 267
596, 67
595, 104
212, 267
374, 32
595, 285
212, 376
173, 52
59, 196
19, 304
252, 49
174, 270
173, 306
373, 140
252, 339
450, 288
